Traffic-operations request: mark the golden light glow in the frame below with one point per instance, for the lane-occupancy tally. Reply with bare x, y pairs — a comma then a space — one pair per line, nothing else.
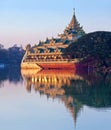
50, 80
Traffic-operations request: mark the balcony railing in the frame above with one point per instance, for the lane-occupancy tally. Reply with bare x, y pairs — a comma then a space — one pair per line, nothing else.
52, 60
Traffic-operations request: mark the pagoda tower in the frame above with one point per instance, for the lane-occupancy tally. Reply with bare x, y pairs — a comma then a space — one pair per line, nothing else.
73, 31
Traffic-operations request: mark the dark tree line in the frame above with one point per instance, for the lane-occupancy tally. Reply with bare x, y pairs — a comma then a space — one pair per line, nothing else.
94, 47
11, 56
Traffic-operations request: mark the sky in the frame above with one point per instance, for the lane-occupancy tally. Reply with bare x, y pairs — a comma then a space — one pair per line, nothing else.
25, 22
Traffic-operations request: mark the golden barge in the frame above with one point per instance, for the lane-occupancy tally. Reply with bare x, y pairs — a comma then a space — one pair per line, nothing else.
50, 54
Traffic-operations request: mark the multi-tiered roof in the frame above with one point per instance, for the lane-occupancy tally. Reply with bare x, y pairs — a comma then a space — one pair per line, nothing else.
54, 48
73, 31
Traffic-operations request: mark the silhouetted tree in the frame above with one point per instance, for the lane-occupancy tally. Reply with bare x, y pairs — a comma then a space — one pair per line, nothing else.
12, 55
96, 46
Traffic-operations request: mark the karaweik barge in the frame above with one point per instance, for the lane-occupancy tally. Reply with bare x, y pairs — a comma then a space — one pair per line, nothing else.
50, 54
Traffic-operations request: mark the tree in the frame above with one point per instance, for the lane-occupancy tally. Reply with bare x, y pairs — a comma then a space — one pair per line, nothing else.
95, 45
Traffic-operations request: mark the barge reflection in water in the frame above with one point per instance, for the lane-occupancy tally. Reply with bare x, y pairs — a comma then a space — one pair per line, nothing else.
74, 89
54, 99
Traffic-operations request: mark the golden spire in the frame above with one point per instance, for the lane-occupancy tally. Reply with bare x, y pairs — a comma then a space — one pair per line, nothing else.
74, 11
74, 23
73, 31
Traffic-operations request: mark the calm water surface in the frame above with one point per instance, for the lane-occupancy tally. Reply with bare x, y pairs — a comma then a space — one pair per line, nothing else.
54, 100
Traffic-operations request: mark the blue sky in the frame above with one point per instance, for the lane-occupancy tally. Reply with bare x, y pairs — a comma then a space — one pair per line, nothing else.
28, 21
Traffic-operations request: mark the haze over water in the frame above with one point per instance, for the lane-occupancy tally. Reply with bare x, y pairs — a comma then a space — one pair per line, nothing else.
58, 100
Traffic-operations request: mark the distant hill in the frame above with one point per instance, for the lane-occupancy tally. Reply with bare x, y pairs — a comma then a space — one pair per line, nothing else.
94, 48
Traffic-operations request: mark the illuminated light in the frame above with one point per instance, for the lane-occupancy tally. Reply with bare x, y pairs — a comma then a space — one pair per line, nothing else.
52, 80
39, 79
32, 79
45, 79
35, 79
49, 79
44, 57
42, 80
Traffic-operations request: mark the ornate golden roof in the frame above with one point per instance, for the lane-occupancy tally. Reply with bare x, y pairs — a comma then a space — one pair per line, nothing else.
73, 21
73, 31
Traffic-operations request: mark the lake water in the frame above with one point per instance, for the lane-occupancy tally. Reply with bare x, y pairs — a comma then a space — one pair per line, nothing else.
54, 100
